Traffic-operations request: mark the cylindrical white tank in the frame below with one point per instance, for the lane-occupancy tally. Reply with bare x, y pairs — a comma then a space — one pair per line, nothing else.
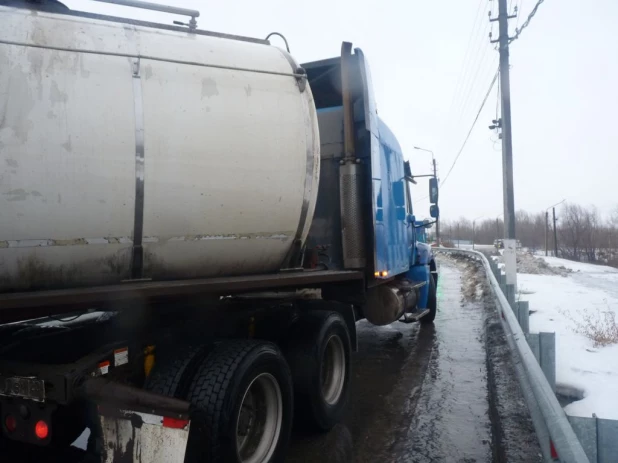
209, 145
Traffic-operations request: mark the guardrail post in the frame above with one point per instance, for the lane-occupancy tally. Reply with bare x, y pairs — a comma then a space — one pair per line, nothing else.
547, 350
586, 431
524, 316
533, 342
607, 444
543, 346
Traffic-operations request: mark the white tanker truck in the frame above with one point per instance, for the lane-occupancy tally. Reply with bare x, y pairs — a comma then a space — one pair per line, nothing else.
191, 223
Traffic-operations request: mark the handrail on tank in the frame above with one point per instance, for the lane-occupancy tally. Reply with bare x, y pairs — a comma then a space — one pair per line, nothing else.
156, 7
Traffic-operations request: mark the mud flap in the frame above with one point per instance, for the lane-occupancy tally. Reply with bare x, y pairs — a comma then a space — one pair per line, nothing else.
136, 437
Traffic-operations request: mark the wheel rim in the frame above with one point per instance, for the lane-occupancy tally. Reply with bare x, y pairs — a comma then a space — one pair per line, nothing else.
258, 424
333, 370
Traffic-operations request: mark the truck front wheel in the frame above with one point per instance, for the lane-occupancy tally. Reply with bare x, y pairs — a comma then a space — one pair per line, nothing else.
243, 393
318, 353
432, 302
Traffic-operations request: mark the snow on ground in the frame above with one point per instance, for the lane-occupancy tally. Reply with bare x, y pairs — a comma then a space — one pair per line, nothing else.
557, 304
527, 263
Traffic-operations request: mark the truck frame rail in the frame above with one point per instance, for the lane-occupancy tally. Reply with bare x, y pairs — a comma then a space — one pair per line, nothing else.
26, 305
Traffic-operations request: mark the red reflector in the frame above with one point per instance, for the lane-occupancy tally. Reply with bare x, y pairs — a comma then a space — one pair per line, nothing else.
174, 423
11, 423
41, 429
554, 454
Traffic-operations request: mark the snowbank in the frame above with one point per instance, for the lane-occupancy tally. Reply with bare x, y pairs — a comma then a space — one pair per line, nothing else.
579, 266
527, 263
558, 304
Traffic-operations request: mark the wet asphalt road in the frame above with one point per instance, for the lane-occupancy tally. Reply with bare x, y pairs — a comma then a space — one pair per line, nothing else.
420, 393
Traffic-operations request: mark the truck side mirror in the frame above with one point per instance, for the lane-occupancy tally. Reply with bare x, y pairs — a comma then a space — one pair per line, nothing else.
433, 190
406, 169
434, 211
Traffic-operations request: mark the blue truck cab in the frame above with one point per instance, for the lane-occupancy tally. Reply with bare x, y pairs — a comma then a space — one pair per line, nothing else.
364, 218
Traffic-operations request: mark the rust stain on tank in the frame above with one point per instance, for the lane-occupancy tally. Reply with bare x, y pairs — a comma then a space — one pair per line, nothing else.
33, 273
209, 88
22, 130
67, 145
56, 95
18, 194
71, 242
54, 59
85, 73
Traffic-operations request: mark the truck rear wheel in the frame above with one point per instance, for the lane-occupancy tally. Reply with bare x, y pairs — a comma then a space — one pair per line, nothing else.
318, 352
243, 392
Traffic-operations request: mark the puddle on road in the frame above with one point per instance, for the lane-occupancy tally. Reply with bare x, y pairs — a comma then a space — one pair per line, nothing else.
451, 419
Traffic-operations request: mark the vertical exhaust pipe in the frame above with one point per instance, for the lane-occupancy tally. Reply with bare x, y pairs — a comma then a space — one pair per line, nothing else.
351, 174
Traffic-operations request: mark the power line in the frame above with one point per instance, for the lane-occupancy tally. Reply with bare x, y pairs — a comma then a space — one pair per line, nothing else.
475, 65
497, 100
468, 48
527, 22
473, 90
471, 128
474, 41
519, 9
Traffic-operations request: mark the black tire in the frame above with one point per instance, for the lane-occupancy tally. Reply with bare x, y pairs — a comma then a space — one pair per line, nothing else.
174, 369
433, 268
432, 303
307, 356
223, 380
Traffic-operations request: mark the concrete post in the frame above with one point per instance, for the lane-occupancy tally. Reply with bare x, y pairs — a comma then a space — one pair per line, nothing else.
510, 295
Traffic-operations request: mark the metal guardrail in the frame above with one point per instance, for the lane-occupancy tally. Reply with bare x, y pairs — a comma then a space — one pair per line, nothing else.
550, 422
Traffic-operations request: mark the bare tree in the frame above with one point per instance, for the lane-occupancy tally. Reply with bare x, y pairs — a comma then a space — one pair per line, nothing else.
583, 234
571, 231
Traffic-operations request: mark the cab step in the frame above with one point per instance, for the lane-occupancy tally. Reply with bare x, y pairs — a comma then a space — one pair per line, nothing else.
413, 317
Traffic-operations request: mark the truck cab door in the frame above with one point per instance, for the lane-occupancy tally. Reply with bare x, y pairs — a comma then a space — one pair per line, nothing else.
390, 228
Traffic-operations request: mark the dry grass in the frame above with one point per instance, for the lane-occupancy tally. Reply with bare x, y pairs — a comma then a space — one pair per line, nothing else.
599, 326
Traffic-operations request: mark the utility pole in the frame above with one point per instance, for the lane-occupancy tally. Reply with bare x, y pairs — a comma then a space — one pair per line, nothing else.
457, 235
474, 229
546, 226
507, 145
435, 175
553, 210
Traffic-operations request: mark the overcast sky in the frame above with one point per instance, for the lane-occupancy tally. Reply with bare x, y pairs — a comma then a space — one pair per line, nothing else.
431, 65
